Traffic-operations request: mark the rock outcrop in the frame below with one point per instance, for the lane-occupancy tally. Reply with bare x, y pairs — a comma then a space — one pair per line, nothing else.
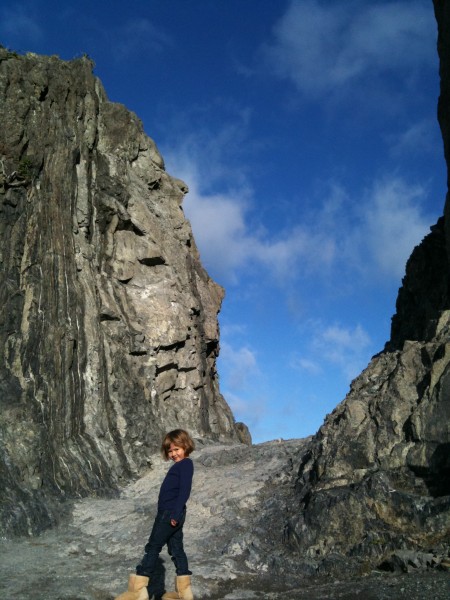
233, 537
108, 327
376, 477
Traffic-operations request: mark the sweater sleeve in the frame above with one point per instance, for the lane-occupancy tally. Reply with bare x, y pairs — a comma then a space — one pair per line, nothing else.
186, 472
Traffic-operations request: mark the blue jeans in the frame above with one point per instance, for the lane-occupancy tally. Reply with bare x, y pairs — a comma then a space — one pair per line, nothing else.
163, 533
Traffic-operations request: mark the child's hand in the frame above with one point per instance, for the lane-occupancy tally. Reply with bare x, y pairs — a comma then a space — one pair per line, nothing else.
173, 522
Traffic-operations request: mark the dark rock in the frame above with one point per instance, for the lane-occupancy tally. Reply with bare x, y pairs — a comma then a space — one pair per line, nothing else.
407, 560
108, 334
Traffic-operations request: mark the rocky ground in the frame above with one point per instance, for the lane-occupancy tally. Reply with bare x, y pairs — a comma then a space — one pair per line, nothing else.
235, 552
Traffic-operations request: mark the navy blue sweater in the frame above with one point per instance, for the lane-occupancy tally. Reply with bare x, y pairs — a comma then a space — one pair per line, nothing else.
176, 488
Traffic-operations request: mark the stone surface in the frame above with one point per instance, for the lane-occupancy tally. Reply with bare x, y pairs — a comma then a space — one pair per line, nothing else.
108, 329
235, 542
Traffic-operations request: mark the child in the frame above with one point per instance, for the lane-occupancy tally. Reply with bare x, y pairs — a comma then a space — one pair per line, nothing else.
168, 526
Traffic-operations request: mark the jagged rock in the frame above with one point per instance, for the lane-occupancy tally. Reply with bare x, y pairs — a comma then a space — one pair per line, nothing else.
407, 561
108, 333
424, 294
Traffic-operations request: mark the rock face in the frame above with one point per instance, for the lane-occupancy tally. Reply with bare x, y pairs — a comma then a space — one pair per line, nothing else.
108, 327
376, 477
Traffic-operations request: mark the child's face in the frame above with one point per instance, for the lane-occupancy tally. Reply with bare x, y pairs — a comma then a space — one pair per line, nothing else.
176, 453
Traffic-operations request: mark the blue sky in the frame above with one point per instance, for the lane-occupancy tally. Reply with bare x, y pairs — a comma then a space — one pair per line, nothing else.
306, 131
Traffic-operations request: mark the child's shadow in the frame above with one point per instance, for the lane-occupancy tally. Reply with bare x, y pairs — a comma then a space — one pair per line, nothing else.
156, 587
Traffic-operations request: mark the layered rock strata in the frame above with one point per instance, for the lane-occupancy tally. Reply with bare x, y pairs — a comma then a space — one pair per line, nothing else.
108, 327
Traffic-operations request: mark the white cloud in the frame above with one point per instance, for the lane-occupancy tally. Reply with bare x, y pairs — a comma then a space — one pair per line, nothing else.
249, 411
312, 367
138, 36
323, 46
343, 339
227, 242
418, 139
218, 223
343, 347
239, 374
373, 232
393, 223
240, 364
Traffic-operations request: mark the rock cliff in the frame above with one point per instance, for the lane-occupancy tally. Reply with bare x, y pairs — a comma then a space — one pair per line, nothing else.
108, 327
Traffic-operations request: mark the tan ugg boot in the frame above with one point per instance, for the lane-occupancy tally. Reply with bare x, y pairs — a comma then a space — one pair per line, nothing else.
171, 595
183, 587
137, 588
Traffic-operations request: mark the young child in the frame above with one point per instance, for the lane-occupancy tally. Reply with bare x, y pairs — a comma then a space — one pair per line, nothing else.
168, 526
